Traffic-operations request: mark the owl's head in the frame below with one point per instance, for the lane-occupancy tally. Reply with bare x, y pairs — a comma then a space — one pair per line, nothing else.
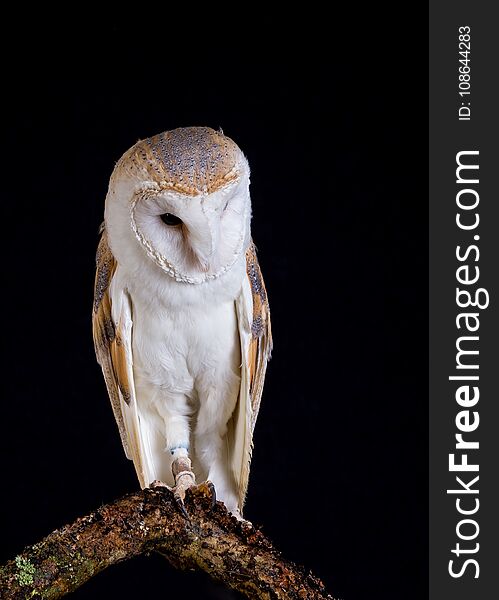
182, 198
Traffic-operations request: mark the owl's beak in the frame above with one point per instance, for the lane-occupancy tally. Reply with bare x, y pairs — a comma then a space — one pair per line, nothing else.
204, 263
204, 247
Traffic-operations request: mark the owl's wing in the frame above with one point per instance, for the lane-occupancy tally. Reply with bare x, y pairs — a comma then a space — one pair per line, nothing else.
112, 331
255, 333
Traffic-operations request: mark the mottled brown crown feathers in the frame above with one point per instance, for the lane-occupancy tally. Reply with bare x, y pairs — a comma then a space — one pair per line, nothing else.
189, 160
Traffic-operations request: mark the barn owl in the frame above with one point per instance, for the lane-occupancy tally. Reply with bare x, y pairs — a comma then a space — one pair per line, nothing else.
181, 320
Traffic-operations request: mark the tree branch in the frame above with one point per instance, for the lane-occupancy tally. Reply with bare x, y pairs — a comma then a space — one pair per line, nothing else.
212, 540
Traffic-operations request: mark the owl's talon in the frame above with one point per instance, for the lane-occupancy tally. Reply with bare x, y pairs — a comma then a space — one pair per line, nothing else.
180, 505
157, 484
178, 495
213, 492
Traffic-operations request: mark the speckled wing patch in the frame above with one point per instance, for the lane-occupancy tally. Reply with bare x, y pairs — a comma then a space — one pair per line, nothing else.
193, 160
261, 332
107, 339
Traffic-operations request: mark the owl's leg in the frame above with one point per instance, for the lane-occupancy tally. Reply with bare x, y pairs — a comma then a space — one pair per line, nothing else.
175, 411
216, 407
211, 452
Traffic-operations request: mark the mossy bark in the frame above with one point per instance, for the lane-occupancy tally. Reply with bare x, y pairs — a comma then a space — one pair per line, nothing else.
212, 540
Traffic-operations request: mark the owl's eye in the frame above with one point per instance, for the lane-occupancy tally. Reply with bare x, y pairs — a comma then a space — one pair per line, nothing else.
170, 219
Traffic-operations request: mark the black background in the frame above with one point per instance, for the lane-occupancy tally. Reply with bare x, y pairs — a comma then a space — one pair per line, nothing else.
335, 133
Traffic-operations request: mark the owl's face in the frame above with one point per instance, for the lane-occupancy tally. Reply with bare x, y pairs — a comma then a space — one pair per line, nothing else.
193, 234
196, 237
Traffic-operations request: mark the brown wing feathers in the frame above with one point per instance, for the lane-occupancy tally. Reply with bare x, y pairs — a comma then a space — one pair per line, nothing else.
261, 331
107, 339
